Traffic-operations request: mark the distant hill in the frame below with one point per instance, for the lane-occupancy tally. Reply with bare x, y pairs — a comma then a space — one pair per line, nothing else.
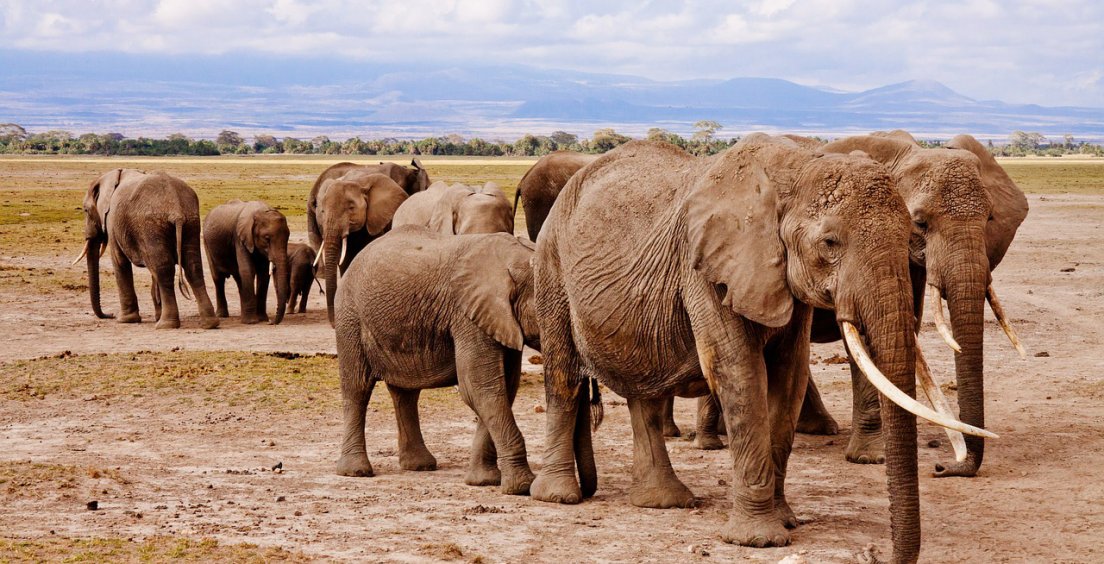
157, 95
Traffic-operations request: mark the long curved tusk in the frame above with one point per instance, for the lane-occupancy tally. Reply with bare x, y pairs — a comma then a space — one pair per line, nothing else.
939, 402
344, 248
84, 253
893, 393
941, 324
998, 311
318, 258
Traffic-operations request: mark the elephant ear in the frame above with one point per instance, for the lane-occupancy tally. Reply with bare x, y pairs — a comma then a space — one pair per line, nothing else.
99, 194
732, 227
245, 227
382, 197
444, 218
1009, 205
484, 290
898, 134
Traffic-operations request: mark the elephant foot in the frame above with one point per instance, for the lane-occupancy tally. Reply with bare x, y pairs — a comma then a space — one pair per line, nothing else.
663, 493
168, 323
866, 448
517, 481
670, 429
209, 323
420, 460
262, 318
129, 318
820, 424
355, 465
785, 514
250, 320
222, 313
758, 532
556, 489
482, 475
965, 469
708, 442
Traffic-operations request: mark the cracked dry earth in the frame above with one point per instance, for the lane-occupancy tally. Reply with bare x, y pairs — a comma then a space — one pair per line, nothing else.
195, 460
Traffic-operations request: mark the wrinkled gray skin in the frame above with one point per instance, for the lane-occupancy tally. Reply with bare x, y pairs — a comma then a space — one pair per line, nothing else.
458, 209
543, 182
412, 180
352, 210
301, 264
657, 271
242, 239
150, 220
965, 212
422, 310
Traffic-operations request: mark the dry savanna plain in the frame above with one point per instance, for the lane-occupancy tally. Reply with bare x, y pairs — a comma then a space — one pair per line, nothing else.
175, 434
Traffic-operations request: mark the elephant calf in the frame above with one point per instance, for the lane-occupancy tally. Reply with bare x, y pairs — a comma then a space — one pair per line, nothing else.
421, 310
241, 239
301, 264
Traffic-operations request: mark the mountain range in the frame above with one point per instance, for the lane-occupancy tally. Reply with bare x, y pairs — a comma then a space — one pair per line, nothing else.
154, 95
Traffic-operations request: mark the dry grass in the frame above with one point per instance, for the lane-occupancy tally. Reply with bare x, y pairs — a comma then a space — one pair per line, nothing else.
152, 549
32, 480
1057, 176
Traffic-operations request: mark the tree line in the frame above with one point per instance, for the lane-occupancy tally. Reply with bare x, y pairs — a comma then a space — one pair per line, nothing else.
14, 139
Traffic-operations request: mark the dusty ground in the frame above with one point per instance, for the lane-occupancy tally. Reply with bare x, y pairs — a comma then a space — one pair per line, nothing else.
183, 456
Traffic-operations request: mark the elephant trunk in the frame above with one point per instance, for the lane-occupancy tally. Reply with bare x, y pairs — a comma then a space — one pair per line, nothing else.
282, 279
93, 263
331, 255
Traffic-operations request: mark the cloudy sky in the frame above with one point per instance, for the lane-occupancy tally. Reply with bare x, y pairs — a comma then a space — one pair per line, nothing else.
1045, 52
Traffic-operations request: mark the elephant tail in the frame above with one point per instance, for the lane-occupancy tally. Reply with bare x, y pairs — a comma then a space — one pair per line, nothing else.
597, 411
517, 196
588, 417
184, 291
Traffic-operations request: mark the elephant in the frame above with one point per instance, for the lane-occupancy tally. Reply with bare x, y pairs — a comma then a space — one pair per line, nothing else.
965, 211
352, 210
151, 220
242, 239
411, 180
419, 310
301, 264
543, 182
658, 273
458, 209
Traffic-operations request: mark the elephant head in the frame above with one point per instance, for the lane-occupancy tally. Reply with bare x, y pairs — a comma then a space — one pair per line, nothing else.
261, 228
417, 179
358, 202
499, 300
463, 210
965, 212
96, 205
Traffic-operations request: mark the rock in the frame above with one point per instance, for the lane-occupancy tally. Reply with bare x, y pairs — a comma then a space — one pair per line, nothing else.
1042, 354
538, 408
934, 443
536, 359
92, 505
277, 466
281, 498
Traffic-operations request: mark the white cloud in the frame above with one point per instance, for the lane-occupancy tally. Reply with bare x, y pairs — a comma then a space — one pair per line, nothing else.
1016, 50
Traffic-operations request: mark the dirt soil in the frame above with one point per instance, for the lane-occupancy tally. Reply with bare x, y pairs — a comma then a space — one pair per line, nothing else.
158, 465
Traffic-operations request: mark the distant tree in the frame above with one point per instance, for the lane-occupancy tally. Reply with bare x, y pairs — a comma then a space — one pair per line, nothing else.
1068, 138
455, 138
563, 139
12, 132
1026, 141
178, 137
263, 142
607, 139
114, 137
706, 129
229, 138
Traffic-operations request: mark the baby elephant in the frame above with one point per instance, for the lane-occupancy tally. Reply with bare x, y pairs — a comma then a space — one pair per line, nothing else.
301, 262
241, 239
420, 310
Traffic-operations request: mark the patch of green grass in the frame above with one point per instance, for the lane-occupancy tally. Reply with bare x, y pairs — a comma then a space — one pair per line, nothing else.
152, 549
1057, 176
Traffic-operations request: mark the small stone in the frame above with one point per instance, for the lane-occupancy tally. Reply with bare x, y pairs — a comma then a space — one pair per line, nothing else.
92, 505
722, 482
281, 498
298, 513
934, 443
536, 359
1042, 354
277, 466
271, 443
538, 408
1070, 269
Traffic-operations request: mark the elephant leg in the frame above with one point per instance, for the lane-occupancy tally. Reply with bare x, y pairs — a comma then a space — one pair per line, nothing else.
262, 292
164, 275
356, 390
220, 296
413, 454
303, 300
867, 446
193, 274
155, 295
787, 377
247, 279
483, 386
483, 467
815, 419
670, 428
654, 483
124, 281
709, 417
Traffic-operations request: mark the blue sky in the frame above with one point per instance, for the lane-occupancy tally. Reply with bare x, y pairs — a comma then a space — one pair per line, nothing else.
1045, 52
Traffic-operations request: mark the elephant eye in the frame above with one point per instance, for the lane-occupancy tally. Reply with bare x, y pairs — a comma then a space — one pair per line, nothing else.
920, 224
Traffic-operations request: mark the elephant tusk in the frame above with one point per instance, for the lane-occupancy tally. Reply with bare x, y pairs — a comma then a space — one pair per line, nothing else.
84, 252
939, 402
941, 323
998, 311
344, 249
318, 259
893, 393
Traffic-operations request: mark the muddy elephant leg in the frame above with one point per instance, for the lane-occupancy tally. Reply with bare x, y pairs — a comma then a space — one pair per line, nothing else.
262, 291
654, 482
867, 446
483, 386
670, 428
193, 274
787, 378
247, 280
220, 296
124, 281
164, 276
483, 466
413, 454
356, 390
814, 418
155, 295
709, 417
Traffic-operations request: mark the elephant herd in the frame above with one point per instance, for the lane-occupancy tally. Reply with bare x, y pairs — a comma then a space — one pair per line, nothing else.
654, 272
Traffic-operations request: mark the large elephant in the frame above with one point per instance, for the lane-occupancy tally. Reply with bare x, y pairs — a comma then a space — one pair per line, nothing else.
965, 211
543, 182
150, 220
412, 180
352, 210
419, 310
458, 209
661, 274
301, 264
242, 239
